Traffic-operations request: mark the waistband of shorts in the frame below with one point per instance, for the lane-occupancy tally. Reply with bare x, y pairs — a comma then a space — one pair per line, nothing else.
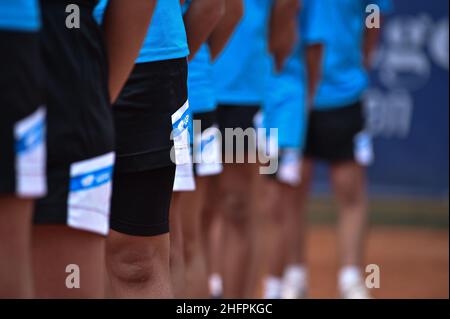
162, 65
349, 108
83, 3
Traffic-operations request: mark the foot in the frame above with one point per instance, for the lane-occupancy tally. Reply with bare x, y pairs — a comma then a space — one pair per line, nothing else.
293, 290
355, 291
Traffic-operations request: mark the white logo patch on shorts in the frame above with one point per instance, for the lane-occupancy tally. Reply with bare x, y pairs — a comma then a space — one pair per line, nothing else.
208, 152
31, 154
180, 135
181, 154
363, 150
90, 194
289, 171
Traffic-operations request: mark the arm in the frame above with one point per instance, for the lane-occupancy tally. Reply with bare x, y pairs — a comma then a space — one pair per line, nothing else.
200, 20
371, 38
314, 55
125, 24
283, 30
234, 10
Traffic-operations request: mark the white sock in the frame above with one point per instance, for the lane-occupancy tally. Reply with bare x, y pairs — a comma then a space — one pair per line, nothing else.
295, 281
272, 289
216, 285
349, 276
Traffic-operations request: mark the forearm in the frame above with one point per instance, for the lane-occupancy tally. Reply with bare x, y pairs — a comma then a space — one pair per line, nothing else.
283, 32
125, 24
371, 39
314, 58
234, 11
200, 20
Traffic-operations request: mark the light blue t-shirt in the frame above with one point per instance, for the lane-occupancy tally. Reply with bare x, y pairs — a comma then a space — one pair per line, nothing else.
20, 15
166, 38
344, 77
285, 104
200, 82
241, 70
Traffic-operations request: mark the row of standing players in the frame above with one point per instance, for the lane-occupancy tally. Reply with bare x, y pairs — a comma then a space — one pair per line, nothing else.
55, 84
314, 99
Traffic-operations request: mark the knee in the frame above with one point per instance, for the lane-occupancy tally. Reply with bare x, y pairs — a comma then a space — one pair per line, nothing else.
352, 194
190, 249
278, 217
134, 267
235, 206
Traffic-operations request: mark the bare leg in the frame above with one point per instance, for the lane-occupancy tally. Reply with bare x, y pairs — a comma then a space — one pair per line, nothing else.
295, 228
284, 200
15, 248
54, 248
177, 262
273, 213
236, 185
194, 256
349, 184
296, 223
138, 267
212, 237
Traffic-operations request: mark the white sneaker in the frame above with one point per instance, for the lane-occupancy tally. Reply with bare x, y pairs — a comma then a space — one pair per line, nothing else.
292, 291
355, 291
295, 283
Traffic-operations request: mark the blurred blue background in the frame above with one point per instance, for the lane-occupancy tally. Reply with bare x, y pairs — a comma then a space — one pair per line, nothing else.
408, 104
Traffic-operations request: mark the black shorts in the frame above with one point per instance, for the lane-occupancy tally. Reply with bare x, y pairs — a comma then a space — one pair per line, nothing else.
147, 111
207, 145
335, 135
80, 126
141, 201
143, 114
207, 119
236, 117
22, 116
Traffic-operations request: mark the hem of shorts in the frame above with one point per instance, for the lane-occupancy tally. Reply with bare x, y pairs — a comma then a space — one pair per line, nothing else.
7, 188
41, 216
327, 105
334, 160
238, 101
201, 110
175, 54
145, 161
139, 230
54, 222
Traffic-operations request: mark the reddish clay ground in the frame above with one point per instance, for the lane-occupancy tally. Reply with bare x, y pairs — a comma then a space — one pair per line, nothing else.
414, 262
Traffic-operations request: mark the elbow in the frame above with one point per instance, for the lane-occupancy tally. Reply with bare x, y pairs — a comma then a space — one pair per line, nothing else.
235, 9
215, 10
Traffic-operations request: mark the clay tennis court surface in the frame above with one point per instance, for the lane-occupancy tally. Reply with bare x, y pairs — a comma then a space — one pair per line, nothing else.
408, 240
414, 262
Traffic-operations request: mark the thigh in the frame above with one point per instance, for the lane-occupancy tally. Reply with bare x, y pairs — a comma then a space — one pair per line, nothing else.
22, 116
72, 266
348, 181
